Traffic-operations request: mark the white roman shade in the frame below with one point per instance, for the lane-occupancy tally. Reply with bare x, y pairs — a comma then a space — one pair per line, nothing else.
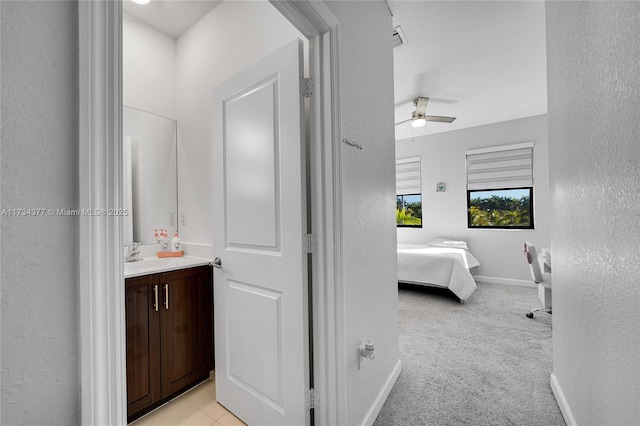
408, 176
508, 166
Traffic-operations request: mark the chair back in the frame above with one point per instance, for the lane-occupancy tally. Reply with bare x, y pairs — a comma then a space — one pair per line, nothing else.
532, 259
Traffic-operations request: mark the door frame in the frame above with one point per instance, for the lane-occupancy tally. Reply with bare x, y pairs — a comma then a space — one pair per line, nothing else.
101, 275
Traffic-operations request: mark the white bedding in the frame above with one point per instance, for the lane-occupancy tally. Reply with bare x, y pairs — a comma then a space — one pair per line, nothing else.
437, 266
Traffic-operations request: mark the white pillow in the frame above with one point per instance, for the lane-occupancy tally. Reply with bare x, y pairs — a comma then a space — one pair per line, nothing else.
444, 242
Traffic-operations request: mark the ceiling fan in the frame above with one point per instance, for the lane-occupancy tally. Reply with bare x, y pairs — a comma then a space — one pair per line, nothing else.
419, 117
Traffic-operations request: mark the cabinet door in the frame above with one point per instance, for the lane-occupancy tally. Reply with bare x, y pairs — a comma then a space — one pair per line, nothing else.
186, 327
143, 343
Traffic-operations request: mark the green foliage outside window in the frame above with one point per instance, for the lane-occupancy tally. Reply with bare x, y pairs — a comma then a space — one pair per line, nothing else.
499, 209
409, 210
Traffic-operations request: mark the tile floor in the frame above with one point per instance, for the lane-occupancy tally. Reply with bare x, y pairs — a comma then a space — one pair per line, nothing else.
195, 407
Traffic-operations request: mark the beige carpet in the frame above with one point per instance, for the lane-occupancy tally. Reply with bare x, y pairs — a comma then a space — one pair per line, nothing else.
482, 363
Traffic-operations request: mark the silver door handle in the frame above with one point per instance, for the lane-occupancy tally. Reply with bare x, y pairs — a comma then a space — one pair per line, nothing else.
155, 297
217, 263
166, 296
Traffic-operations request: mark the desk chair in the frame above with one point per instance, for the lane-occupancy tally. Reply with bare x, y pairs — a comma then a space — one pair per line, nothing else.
542, 279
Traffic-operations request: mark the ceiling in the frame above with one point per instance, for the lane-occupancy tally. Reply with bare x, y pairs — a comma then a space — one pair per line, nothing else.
171, 17
480, 61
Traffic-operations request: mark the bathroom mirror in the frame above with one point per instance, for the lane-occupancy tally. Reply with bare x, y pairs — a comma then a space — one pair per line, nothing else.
150, 178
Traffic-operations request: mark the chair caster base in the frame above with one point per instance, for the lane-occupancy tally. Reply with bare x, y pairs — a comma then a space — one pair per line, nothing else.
530, 314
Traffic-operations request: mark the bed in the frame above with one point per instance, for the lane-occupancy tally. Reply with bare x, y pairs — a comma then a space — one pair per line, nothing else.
440, 263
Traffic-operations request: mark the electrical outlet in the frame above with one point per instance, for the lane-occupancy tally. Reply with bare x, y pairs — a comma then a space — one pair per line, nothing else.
172, 218
183, 218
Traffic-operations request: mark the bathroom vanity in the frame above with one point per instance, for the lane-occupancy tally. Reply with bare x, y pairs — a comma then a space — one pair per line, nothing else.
169, 329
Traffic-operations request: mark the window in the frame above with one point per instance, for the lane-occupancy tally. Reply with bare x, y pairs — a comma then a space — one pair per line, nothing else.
500, 187
408, 193
501, 208
409, 210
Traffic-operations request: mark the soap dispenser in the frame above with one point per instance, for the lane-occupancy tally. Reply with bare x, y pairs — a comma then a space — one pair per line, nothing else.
176, 244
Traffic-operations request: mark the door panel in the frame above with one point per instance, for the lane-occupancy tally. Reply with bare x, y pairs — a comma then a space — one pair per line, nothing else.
261, 322
260, 375
251, 160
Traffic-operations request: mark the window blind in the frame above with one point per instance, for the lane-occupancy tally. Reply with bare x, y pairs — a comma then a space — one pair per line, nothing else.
509, 166
408, 179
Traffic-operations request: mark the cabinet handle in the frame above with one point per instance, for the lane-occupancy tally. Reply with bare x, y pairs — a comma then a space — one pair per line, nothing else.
166, 296
155, 297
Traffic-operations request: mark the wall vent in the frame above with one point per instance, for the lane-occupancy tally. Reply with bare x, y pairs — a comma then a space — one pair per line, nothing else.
398, 37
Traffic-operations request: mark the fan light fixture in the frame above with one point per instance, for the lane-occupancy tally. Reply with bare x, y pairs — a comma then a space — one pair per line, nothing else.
418, 120
419, 117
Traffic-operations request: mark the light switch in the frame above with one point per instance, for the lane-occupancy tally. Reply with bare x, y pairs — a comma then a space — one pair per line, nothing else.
183, 218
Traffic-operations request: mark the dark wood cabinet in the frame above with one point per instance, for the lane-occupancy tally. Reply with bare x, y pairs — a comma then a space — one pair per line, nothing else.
186, 328
143, 343
169, 320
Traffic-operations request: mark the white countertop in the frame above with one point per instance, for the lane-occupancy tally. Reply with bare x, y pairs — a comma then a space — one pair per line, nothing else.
155, 265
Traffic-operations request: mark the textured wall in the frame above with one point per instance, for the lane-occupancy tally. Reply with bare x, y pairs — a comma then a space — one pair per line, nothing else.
594, 132
368, 194
445, 213
40, 359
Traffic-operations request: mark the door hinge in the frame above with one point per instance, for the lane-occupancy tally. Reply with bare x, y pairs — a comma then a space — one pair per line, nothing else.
306, 86
313, 399
309, 243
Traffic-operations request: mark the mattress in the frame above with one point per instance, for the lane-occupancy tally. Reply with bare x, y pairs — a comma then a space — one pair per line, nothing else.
438, 266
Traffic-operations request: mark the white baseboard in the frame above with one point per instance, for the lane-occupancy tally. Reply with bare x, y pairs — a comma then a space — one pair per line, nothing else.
373, 412
505, 281
562, 402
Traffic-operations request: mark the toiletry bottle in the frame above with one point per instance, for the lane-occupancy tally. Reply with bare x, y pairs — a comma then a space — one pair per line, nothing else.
176, 244
155, 235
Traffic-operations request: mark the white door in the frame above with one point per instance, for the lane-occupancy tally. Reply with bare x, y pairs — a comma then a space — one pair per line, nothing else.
261, 324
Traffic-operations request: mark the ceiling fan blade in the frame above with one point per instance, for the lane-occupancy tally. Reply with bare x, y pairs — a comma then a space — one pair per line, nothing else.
421, 105
439, 119
402, 122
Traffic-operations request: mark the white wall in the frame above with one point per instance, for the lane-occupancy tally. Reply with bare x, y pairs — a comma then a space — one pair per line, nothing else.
231, 37
149, 84
444, 214
148, 68
368, 196
39, 159
594, 104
